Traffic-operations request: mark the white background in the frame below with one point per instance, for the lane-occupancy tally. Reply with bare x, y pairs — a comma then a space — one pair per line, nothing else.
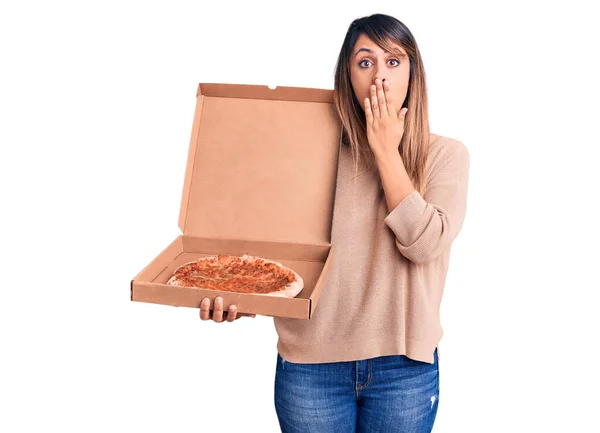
97, 101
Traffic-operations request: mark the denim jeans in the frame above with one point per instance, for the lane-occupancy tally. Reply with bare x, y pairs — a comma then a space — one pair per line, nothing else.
378, 395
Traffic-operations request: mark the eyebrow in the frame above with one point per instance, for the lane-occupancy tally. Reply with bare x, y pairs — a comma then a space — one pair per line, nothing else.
398, 53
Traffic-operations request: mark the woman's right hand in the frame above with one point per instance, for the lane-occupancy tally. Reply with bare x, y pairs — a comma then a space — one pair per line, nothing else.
218, 315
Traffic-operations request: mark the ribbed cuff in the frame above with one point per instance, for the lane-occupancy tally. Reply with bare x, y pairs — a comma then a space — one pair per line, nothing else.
406, 219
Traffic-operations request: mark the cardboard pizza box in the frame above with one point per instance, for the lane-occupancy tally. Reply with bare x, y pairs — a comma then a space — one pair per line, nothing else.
260, 179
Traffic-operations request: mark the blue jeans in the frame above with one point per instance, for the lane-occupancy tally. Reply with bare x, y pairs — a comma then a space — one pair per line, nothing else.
378, 395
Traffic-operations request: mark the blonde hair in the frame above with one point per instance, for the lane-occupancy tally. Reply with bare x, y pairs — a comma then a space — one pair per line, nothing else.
385, 31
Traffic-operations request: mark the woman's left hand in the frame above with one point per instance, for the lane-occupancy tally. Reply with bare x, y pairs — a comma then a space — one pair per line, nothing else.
385, 126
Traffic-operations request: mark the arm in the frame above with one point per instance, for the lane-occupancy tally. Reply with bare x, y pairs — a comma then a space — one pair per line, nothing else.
425, 227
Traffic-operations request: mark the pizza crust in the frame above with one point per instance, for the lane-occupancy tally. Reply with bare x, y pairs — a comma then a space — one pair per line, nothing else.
290, 290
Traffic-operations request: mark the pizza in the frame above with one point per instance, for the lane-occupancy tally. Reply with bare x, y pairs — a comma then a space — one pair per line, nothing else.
245, 274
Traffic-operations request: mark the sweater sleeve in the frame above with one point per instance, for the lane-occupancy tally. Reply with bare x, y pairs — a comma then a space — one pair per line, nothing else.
425, 227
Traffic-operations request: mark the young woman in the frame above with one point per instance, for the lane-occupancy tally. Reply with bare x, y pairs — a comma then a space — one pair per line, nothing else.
367, 360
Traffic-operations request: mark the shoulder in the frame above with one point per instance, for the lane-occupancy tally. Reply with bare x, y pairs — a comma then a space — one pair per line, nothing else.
444, 147
446, 151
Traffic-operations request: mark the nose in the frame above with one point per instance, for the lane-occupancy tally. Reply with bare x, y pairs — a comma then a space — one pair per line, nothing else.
380, 76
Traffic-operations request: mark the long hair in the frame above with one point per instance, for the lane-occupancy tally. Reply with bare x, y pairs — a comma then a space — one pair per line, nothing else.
384, 30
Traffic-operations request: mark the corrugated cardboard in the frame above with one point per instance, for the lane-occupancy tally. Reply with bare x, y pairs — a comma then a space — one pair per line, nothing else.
260, 179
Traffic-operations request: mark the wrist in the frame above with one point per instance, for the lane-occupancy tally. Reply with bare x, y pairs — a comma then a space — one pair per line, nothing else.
388, 157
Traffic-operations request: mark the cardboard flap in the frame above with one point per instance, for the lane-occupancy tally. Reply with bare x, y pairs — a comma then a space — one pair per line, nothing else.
262, 164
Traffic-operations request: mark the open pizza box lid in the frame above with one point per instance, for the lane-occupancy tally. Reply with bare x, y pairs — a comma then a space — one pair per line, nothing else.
260, 179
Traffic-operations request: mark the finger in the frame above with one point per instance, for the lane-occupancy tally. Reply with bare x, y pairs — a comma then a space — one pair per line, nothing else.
205, 309
231, 314
388, 101
381, 98
374, 102
368, 112
218, 310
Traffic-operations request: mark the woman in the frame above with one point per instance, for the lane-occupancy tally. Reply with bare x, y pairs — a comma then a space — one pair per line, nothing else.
367, 360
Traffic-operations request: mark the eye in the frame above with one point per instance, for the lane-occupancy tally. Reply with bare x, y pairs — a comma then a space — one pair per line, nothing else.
363, 65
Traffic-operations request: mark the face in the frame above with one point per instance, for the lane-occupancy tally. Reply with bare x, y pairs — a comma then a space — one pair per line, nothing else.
368, 61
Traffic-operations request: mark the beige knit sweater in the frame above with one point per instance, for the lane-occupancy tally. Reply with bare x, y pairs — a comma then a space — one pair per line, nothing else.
383, 292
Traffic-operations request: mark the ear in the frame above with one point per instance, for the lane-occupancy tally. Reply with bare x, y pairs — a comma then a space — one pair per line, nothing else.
402, 114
